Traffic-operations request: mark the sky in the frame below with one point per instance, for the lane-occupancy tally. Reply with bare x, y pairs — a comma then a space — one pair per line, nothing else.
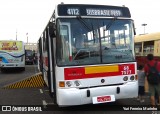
21, 17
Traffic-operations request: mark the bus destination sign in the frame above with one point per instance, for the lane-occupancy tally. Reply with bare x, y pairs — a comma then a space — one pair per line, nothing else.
101, 12
93, 10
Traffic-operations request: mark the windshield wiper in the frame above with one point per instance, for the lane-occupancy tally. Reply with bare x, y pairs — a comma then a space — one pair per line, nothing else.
82, 21
82, 52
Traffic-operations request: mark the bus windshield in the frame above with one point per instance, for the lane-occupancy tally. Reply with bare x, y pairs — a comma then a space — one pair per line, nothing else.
84, 41
29, 52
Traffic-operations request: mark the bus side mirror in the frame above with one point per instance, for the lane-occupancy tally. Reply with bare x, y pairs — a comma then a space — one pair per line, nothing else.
52, 30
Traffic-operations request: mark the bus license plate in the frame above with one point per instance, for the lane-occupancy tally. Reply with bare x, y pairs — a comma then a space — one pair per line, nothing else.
103, 99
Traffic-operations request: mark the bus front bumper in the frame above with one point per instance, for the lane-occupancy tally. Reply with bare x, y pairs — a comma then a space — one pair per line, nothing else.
74, 96
10, 65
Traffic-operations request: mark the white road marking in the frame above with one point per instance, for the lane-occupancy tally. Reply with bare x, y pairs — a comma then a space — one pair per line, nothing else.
41, 91
44, 102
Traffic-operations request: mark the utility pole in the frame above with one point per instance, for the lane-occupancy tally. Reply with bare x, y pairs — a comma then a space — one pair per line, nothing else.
144, 24
16, 34
27, 37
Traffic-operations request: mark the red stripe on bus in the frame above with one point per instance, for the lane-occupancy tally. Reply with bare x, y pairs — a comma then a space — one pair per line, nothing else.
79, 73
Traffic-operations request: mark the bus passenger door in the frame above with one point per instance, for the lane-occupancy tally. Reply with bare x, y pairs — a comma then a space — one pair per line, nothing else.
51, 61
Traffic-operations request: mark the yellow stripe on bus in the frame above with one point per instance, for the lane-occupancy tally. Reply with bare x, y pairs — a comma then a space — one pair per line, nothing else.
101, 69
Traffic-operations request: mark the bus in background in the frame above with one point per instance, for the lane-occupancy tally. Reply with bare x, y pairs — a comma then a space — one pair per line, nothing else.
12, 54
146, 44
29, 57
86, 54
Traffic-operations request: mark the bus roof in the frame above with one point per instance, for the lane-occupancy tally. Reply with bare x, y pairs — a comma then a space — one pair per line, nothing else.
147, 37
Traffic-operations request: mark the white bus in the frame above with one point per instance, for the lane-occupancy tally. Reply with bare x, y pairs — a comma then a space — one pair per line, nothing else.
12, 54
86, 54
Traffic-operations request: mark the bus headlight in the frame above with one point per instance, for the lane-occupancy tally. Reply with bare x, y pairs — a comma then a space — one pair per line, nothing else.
69, 83
125, 78
132, 78
77, 83
136, 77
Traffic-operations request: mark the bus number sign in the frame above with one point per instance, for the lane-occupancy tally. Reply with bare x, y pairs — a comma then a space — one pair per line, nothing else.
73, 11
126, 70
